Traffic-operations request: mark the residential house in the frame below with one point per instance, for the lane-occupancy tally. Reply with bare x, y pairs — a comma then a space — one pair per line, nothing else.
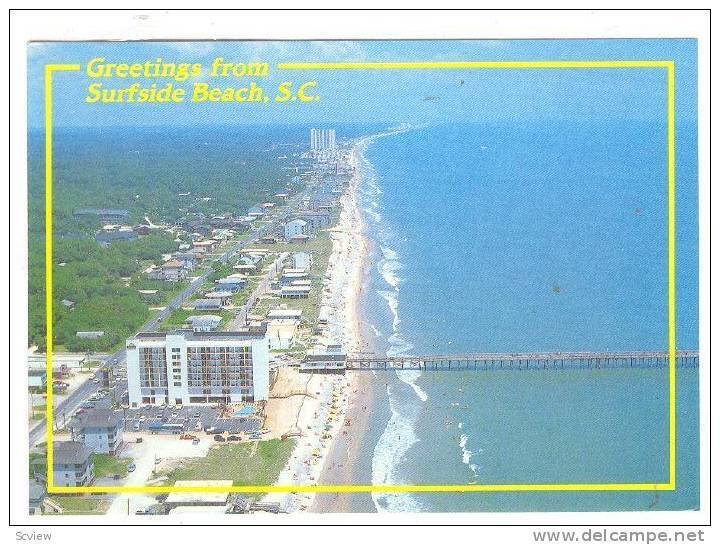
284, 313
208, 304
256, 211
205, 322
101, 430
295, 227
173, 271
106, 238
302, 260
315, 220
233, 283
295, 292
225, 297
72, 465
208, 245
299, 239
105, 215
37, 379
245, 268
290, 276
187, 259
36, 496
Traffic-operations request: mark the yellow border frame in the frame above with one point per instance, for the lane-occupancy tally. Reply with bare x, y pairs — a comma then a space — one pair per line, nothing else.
669, 66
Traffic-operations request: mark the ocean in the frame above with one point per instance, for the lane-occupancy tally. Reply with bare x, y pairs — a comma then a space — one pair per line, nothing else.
532, 237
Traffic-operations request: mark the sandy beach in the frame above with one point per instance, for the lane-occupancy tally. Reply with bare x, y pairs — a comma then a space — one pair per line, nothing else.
313, 408
349, 459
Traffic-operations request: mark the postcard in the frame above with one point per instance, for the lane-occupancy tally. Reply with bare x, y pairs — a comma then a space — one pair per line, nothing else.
292, 279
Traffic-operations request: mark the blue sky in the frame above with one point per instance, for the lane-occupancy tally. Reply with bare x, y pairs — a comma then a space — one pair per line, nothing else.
381, 96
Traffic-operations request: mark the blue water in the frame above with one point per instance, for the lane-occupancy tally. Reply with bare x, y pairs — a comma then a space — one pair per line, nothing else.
506, 238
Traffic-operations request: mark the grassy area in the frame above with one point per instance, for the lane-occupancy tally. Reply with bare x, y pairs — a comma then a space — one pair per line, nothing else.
37, 463
241, 297
78, 505
177, 317
320, 247
245, 463
167, 291
105, 465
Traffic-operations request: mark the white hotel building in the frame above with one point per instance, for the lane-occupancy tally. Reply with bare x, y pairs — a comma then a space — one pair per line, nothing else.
191, 367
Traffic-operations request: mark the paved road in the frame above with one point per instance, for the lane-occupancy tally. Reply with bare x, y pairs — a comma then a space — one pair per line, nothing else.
69, 405
262, 288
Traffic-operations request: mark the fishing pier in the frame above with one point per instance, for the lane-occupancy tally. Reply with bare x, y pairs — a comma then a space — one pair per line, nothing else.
520, 361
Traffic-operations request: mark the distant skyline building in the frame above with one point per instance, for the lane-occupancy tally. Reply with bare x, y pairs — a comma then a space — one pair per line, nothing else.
322, 139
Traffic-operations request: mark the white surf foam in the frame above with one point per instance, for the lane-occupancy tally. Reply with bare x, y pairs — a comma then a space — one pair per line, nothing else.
395, 441
466, 453
389, 267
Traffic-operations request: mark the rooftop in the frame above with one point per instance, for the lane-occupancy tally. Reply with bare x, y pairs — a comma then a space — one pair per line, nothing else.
208, 303
244, 333
232, 279
295, 289
70, 452
218, 294
206, 319
100, 418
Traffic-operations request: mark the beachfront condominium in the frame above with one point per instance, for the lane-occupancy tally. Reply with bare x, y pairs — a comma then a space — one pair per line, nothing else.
196, 367
322, 139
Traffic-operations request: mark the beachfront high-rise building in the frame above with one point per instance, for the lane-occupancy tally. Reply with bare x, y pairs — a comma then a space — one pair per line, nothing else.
322, 139
190, 367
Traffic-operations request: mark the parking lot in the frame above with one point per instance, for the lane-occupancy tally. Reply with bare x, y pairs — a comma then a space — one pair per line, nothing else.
192, 419
196, 418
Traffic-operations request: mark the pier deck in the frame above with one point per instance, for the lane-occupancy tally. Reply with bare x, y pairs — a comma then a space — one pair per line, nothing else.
534, 360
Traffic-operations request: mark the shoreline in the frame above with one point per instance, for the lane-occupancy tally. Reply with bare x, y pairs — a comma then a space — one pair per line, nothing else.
347, 462
324, 400
335, 422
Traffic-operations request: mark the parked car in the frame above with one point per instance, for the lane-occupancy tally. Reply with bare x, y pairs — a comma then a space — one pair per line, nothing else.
234, 438
136, 426
198, 426
196, 441
219, 438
